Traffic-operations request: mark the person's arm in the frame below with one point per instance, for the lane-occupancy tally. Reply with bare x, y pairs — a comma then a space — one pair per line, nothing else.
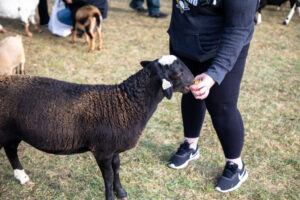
239, 22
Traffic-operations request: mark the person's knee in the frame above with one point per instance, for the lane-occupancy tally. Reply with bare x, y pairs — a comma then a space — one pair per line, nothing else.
220, 108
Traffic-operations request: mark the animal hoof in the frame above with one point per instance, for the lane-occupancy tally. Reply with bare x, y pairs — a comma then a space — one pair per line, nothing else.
29, 35
21, 176
121, 194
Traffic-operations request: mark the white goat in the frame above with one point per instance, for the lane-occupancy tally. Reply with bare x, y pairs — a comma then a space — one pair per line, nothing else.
20, 9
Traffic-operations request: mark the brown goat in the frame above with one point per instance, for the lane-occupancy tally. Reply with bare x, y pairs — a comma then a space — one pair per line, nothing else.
89, 19
12, 57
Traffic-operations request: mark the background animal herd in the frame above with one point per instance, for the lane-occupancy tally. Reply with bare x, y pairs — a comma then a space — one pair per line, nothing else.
269, 101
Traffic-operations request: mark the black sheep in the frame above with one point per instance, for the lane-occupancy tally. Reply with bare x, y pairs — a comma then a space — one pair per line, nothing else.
66, 118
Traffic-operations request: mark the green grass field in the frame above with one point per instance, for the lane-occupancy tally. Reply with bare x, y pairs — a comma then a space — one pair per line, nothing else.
269, 103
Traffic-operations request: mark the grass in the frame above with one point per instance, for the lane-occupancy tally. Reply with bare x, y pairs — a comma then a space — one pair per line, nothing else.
269, 103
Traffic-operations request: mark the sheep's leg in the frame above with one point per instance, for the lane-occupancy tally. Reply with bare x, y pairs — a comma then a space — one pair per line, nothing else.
2, 30
22, 68
89, 30
35, 25
99, 37
29, 34
105, 166
74, 33
11, 150
119, 190
258, 19
86, 37
290, 15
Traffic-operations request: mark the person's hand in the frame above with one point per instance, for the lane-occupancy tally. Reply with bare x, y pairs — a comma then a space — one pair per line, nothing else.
69, 1
202, 85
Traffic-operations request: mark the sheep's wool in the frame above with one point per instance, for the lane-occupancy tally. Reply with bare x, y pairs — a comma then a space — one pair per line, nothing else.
166, 84
21, 176
167, 59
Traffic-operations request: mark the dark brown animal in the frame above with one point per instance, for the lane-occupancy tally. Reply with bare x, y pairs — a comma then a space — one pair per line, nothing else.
89, 19
67, 118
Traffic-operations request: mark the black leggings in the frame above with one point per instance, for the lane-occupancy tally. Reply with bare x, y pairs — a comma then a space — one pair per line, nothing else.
221, 104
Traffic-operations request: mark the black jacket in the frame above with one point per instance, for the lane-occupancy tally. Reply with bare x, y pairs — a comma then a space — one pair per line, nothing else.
206, 29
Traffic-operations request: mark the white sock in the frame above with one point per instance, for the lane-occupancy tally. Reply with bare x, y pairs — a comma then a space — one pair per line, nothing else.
193, 142
237, 161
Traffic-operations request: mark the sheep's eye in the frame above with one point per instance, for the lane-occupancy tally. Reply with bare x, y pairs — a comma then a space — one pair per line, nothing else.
175, 76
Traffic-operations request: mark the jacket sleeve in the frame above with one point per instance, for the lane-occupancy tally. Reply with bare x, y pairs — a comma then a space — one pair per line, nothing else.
238, 30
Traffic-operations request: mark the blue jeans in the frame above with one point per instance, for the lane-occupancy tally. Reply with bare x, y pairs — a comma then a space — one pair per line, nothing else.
64, 16
153, 5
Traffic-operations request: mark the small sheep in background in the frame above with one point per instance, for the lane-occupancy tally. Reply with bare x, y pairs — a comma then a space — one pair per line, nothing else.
20, 9
67, 118
12, 57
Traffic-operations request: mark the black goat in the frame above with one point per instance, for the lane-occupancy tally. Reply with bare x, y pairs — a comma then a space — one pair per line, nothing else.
66, 118
295, 4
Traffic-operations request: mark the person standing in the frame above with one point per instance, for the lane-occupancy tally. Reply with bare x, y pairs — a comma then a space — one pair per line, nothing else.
153, 8
212, 38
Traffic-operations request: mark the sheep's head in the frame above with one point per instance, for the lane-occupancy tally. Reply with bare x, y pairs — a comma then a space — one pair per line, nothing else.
173, 74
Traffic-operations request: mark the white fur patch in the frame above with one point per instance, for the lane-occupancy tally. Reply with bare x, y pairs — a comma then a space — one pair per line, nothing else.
166, 84
1, 27
167, 59
258, 18
21, 176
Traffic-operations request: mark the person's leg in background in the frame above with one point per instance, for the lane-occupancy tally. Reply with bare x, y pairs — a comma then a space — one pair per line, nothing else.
154, 9
152, 5
65, 16
43, 12
138, 6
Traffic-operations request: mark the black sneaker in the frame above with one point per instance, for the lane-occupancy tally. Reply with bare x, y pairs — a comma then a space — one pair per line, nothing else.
158, 15
183, 156
232, 177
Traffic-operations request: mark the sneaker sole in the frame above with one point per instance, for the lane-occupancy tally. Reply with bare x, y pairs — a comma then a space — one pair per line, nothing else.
235, 187
186, 163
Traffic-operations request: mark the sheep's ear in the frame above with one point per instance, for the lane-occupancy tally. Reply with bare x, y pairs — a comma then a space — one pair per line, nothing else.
145, 63
167, 88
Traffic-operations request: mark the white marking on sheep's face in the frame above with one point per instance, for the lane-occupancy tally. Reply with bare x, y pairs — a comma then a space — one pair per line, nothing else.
166, 84
167, 59
21, 176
